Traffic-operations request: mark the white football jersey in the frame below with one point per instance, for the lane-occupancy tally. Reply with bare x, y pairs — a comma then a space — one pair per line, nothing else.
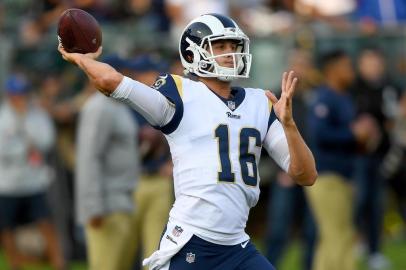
215, 146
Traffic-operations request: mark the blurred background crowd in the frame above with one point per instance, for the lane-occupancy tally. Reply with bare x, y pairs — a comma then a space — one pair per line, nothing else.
53, 206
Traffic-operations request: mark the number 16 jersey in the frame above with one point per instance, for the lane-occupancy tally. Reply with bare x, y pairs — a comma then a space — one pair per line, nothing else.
215, 145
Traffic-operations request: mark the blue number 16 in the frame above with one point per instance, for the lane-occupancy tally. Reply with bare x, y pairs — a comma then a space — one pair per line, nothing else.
246, 158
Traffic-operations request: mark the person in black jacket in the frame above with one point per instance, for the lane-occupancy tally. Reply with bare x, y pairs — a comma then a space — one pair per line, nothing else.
375, 95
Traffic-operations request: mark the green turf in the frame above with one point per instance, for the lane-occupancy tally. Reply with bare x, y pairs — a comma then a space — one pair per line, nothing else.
395, 251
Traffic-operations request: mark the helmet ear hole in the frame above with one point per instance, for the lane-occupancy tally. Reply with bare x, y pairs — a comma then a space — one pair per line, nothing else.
189, 57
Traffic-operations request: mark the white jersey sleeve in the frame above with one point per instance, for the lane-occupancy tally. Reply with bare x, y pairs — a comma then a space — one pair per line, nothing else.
151, 104
277, 146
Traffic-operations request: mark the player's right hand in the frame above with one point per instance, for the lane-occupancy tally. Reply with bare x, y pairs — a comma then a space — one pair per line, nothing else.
75, 57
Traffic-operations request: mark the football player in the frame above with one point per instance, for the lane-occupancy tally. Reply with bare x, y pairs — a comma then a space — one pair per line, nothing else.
215, 133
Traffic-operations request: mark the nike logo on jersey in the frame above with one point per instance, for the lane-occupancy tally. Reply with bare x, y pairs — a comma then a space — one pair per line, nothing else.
234, 116
244, 244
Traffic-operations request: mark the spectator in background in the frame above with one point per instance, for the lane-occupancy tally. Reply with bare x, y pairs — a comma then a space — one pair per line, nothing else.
175, 65
63, 103
46, 13
334, 136
153, 197
393, 167
399, 138
264, 17
287, 202
106, 174
376, 96
100, 9
324, 9
26, 136
374, 13
1, 17
149, 13
334, 12
181, 12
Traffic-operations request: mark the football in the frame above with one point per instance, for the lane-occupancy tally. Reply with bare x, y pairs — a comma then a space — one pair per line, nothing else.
79, 32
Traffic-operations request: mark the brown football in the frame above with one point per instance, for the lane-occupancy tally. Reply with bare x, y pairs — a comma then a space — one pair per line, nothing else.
78, 31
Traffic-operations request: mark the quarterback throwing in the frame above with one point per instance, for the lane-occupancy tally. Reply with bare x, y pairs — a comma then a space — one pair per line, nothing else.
215, 133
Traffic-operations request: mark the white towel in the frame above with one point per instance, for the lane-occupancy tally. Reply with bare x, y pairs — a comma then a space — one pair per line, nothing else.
173, 240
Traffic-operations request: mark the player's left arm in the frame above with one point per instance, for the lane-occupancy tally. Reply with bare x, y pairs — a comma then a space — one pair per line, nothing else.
302, 167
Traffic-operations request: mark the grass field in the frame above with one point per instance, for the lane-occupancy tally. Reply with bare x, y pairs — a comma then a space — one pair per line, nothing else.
395, 250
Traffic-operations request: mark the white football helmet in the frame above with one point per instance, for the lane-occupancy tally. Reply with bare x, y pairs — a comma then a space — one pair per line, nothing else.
196, 53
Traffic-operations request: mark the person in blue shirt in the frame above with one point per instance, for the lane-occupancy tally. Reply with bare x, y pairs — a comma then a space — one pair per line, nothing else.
335, 136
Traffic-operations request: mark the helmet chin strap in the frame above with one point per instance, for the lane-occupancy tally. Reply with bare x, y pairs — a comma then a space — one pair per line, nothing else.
225, 79
225, 74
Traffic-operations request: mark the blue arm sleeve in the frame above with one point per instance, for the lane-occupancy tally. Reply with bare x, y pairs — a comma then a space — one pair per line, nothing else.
272, 118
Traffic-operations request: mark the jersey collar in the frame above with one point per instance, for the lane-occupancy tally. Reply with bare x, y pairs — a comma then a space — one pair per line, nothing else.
236, 98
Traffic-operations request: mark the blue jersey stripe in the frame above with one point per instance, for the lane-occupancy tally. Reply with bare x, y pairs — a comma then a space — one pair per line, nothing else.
272, 117
171, 87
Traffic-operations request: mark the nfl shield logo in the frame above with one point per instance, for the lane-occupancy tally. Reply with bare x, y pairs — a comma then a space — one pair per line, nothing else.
231, 105
190, 257
177, 231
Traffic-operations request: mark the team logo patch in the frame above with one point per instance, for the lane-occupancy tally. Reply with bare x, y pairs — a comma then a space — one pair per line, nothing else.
190, 257
161, 81
177, 231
